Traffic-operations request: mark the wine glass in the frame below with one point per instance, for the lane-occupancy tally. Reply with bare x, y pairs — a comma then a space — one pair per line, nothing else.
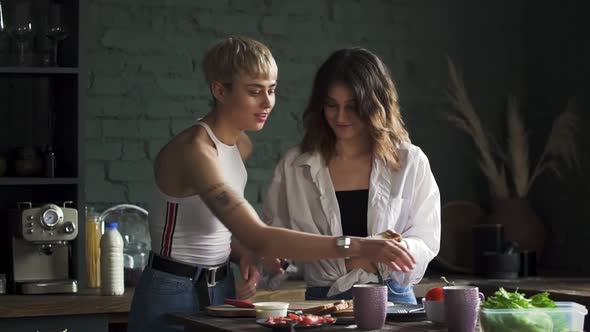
56, 29
2, 24
22, 30
21, 35
2, 32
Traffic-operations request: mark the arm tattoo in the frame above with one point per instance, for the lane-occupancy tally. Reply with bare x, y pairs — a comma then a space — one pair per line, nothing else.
235, 206
222, 198
213, 188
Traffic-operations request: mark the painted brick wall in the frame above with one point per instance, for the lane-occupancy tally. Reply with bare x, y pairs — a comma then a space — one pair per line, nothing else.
141, 61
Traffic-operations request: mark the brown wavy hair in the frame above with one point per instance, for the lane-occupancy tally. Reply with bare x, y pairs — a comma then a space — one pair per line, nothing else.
376, 99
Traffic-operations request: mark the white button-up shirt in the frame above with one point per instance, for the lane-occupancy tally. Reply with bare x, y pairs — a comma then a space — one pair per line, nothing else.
301, 196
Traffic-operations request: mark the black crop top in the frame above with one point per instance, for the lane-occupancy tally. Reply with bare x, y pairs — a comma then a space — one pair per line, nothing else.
353, 206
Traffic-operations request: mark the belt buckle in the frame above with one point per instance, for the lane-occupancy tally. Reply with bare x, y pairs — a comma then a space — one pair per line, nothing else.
211, 275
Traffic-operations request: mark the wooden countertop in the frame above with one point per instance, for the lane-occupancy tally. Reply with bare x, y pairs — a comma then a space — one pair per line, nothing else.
84, 302
201, 322
90, 301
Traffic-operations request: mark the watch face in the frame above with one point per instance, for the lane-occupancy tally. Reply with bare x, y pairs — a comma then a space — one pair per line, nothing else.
343, 242
50, 218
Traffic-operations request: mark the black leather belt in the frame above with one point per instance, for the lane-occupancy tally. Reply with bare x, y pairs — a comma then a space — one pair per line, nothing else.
211, 275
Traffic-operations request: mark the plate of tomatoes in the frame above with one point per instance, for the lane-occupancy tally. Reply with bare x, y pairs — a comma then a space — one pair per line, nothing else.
300, 322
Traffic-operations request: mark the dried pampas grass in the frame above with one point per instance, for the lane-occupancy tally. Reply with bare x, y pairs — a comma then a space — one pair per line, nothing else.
560, 147
518, 147
468, 121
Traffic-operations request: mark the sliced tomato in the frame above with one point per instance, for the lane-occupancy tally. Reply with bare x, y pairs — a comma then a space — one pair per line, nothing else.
310, 320
328, 320
239, 303
306, 321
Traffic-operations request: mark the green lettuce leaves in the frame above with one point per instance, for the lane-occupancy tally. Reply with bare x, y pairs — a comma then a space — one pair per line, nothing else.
529, 319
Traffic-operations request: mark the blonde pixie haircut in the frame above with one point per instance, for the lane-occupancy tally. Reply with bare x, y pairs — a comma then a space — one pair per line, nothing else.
235, 56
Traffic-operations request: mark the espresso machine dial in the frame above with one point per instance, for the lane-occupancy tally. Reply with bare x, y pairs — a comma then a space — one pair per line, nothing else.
69, 227
49, 224
51, 217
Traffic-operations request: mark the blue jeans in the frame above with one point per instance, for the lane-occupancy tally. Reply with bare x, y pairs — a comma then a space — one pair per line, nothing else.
159, 293
395, 293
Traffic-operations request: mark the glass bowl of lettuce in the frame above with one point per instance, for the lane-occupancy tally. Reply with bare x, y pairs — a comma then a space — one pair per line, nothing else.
514, 312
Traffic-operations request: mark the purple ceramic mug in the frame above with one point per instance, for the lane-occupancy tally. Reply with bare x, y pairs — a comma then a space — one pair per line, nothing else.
369, 306
461, 307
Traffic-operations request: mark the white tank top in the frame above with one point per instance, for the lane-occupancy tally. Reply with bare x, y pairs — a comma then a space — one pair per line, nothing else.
184, 228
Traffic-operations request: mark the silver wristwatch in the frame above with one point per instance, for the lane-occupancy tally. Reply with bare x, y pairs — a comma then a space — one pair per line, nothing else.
343, 243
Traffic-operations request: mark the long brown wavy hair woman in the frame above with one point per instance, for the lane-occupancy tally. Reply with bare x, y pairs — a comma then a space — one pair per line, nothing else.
356, 174
376, 100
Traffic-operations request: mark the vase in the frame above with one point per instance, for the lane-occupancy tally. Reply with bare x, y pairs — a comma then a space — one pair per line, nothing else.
520, 222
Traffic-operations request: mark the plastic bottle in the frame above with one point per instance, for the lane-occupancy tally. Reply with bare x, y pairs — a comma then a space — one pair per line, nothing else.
111, 261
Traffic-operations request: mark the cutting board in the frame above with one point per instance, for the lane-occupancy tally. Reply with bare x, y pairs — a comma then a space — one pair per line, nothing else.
349, 312
226, 310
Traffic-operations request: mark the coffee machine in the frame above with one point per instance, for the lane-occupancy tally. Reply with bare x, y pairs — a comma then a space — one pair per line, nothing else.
40, 248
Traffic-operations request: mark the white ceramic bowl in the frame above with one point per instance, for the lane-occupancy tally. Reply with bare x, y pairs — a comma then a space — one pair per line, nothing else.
271, 309
435, 311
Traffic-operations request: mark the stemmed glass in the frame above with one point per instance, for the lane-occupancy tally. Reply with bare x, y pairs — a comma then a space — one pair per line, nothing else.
3, 43
2, 24
22, 30
56, 29
2, 30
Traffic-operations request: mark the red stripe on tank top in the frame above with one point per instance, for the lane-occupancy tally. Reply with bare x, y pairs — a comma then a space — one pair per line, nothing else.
169, 226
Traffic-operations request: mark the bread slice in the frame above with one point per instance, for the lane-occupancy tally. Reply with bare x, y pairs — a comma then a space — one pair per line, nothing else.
329, 308
315, 310
390, 235
337, 307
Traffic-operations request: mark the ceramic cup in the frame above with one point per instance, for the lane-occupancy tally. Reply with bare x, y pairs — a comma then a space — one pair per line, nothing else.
461, 307
435, 311
369, 306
